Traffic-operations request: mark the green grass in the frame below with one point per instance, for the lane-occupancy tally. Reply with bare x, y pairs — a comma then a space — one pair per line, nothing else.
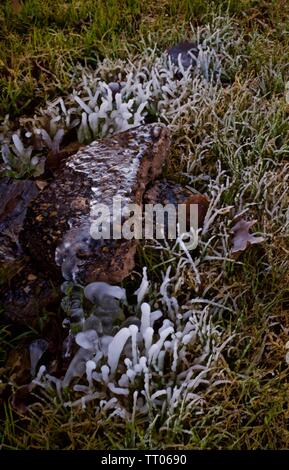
245, 127
42, 42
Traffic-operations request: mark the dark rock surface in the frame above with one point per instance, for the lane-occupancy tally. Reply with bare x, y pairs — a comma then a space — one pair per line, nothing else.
15, 197
28, 293
187, 51
24, 292
168, 192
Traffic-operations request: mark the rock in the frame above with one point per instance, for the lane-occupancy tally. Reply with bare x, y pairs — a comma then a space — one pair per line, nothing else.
187, 51
28, 293
115, 87
15, 196
57, 229
167, 192
55, 159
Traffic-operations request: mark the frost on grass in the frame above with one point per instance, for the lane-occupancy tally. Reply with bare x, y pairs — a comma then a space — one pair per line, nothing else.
230, 142
117, 96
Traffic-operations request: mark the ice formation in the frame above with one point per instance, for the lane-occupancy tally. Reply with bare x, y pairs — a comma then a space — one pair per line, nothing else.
116, 97
159, 363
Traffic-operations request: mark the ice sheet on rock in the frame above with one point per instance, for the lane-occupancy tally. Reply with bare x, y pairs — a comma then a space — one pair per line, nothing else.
113, 172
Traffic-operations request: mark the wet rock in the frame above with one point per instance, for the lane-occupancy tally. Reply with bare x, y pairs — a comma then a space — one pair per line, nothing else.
15, 197
57, 230
24, 292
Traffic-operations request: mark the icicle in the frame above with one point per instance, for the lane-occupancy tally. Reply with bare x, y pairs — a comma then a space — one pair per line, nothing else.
156, 348
97, 291
133, 331
37, 348
90, 367
118, 390
105, 373
115, 348
143, 288
87, 340
148, 338
145, 317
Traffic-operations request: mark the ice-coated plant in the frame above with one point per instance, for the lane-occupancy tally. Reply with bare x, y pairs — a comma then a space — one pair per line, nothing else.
107, 112
120, 95
18, 159
163, 360
154, 362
